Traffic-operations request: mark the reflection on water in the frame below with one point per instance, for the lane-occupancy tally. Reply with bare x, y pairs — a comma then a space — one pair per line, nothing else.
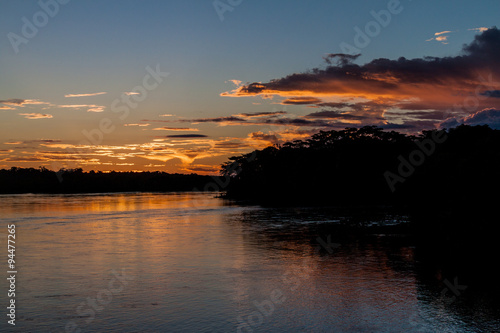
189, 262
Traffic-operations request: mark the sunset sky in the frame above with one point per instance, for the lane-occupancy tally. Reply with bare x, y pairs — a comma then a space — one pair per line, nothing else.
179, 86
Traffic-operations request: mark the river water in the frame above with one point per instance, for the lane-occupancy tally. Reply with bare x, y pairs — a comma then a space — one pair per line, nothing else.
191, 262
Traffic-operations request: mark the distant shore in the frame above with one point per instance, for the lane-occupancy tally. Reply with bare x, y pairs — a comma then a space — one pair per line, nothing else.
31, 180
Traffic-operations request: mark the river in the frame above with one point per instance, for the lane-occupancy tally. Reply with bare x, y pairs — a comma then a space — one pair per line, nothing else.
192, 262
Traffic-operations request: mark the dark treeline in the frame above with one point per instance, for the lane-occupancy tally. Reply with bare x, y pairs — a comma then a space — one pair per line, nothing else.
371, 166
30, 180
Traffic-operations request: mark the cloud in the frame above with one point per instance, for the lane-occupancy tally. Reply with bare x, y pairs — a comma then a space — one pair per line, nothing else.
442, 32
372, 89
202, 169
12, 101
6, 108
35, 115
89, 107
269, 138
21, 102
334, 115
229, 144
28, 144
179, 129
166, 115
301, 101
224, 120
236, 82
85, 95
491, 93
341, 58
129, 93
96, 109
490, 117
261, 114
140, 125
186, 136
481, 29
439, 37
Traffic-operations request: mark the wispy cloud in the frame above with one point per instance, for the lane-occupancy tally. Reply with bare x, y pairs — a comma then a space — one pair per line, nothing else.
261, 114
236, 82
187, 136
480, 29
441, 36
89, 107
179, 129
442, 32
140, 125
21, 102
85, 95
35, 115
301, 101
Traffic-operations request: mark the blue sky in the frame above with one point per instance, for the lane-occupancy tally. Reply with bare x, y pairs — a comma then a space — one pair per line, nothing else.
89, 47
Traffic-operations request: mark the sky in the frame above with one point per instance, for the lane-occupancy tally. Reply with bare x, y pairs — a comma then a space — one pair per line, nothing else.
180, 86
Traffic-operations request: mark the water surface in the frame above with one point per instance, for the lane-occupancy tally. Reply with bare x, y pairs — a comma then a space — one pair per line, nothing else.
191, 262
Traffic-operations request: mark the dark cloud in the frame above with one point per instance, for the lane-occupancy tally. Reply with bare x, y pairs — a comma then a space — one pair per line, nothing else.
262, 114
230, 144
341, 58
333, 105
295, 122
490, 117
491, 93
428, 83
12, 101
271, 138
214, 120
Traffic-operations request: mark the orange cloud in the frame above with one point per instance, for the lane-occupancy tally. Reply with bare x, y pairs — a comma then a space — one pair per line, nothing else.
85, 95
178, 129
430, 83
35, 115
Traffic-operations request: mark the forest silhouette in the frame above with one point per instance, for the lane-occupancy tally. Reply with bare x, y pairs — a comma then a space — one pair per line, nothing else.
370, 166
42, 180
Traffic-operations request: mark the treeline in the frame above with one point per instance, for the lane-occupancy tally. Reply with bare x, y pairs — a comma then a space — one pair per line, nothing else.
42, 180
370, 166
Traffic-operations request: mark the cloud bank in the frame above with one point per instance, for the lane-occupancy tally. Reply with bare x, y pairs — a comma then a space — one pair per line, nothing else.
440, 86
